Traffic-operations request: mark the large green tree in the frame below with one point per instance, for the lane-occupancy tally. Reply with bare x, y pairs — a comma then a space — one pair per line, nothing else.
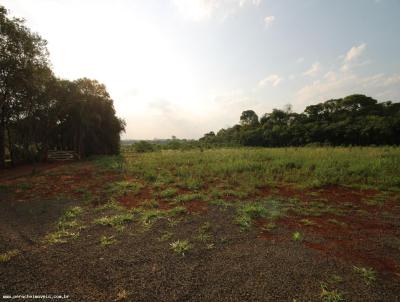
39, 111
354, 120
22, 54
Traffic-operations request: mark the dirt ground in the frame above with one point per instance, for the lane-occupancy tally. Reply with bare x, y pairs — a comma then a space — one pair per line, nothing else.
261, 264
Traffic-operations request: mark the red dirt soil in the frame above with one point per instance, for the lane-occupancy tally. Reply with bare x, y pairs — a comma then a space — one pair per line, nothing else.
352, 238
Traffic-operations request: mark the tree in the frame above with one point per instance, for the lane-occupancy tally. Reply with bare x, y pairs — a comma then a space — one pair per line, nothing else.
354, 120
22, 54
249, 118
39, 111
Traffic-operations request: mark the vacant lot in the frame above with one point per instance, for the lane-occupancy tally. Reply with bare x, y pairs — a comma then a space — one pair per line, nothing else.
296, 224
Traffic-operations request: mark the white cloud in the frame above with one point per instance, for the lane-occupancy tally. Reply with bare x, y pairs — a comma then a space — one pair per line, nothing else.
198, 10
269, 20
313, 70
336, 85
253, 2
350, 59
344, 80
273, 79
355, 52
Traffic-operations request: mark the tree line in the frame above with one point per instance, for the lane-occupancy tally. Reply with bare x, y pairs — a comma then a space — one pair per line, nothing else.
354, 120
39, 111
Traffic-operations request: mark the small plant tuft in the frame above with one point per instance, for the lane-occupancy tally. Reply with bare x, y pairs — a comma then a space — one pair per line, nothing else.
330, 295
297, 236
368, 274
107, 240
181, 246
5, 257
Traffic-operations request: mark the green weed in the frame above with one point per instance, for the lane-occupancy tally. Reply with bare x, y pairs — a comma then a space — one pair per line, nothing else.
189, 197
307, 222
117, 221
368, 274
181, 246
120, 188
107, 240
269, 226
61, 236
168, 193
112, 204
297, 236
330, 295
5, 257
165, 236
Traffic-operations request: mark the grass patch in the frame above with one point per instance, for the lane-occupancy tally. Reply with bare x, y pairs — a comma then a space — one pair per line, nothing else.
270, 208
203, 232
337, 222
7, 256
4, 188
150, 204
120, 188
168, 193
269, 226
368, 274
330, 295
177, 211
107, 240
67, 227
122, 295
112, 204
307, 222
359, 167
297, 236
181, 246
166, 236
61, 236
116, 221
24, 186
189, 197
220, 203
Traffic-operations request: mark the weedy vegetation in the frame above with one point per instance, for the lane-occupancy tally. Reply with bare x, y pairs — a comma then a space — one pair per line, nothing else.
7, 256
68, 227
181, 246
107, 240
330, 295
367, 273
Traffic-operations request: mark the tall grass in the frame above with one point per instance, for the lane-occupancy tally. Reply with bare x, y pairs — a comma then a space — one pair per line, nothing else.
248, 168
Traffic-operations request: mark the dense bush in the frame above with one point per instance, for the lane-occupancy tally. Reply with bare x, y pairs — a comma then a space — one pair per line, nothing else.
39, 112
353, 120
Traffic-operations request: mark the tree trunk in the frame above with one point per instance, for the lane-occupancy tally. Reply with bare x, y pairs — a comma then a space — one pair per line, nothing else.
10, 147
2, 141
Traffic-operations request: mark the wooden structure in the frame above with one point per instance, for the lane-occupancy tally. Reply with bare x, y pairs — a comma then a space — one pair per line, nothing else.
62, 155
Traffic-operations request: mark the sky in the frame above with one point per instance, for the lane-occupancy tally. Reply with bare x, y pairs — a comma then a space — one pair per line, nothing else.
186, 67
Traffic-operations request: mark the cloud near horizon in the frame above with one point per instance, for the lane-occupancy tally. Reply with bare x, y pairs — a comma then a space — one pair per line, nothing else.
346, 79
187, 67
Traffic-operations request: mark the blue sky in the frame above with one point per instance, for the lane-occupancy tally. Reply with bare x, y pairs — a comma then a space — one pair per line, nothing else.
186, 67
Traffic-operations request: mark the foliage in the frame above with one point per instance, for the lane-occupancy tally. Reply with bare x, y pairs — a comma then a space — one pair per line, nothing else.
297, 236
5, 257
353, 120
67, 227
144, 146
107, 240
368, 274
39, 112
181, 246
330, 295
118, 221
237, 172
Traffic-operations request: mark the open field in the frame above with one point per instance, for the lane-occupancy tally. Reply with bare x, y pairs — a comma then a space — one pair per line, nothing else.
295, 224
